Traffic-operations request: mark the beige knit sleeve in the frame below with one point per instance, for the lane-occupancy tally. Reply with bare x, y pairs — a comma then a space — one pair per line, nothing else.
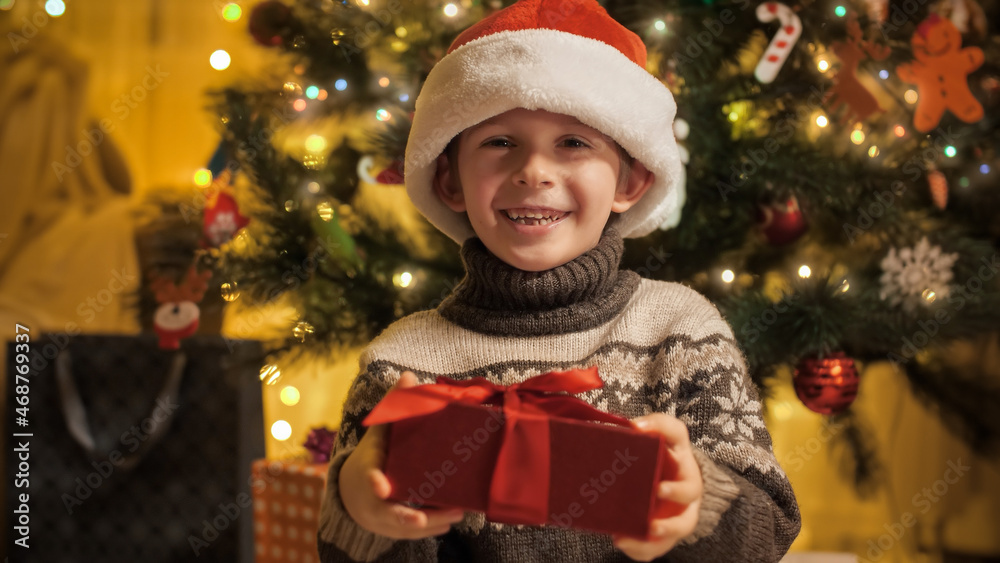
338, 529
749, 511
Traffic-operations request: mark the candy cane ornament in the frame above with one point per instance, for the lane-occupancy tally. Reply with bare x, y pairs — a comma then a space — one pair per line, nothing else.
782, 42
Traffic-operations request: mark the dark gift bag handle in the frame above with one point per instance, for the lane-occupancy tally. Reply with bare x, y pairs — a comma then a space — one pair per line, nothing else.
76, 415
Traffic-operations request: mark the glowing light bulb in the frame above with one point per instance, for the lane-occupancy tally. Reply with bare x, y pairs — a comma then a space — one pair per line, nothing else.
733, 116
822, 121
299, 105
313, 187
840, 11
728, 276
321, 95
55, 8
929, 295
290, 396
383, 115
281, 430
950, 151
660, 26
403, 279
899, 130
232, 12
203, 178
873, 151
312, 92
383, 82
883, 74
219, 60
857, 136
823, 65
401, 32
404, 97
451, 10
845, 286
910, 96
984, 168
315, 143
340, 85
805, 271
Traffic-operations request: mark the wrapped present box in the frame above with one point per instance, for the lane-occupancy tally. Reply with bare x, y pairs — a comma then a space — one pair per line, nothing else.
286, 496
524, 454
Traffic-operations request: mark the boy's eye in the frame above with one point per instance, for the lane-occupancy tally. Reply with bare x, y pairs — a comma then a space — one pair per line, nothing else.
574, 143
500, 142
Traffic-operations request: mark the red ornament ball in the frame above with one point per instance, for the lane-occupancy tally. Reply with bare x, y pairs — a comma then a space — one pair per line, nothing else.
782, 222
827, 385
270, 23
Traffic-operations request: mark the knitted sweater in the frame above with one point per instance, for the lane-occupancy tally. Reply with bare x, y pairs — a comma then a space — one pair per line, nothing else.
658, 346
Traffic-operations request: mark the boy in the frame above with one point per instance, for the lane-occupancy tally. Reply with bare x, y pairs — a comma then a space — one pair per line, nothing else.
538, 142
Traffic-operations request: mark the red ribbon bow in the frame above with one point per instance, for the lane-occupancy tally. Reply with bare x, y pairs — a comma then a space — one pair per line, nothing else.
519, 489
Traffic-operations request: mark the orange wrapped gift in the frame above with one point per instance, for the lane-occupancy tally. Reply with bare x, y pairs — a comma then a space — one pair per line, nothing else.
286, 496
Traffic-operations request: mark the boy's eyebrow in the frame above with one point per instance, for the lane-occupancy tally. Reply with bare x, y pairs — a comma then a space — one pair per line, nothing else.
492, 121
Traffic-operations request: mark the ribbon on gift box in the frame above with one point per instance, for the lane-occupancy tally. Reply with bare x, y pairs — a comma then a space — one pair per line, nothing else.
517, 494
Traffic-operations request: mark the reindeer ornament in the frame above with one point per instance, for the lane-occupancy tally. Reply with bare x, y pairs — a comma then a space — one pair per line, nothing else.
847, 89
178, 314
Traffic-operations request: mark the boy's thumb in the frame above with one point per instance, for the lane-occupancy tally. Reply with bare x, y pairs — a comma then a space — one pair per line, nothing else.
406, 379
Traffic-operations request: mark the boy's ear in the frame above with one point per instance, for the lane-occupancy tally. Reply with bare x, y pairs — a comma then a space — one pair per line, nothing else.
629, 193
446, 185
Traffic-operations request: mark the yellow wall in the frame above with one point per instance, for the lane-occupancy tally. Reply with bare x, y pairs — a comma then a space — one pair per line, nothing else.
919, 458
149, 70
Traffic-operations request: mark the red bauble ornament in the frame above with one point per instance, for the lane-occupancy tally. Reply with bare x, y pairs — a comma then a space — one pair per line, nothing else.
782, 223
271, 23
827, 385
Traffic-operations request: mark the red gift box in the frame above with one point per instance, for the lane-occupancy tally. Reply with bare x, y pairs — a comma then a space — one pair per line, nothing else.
287, 497
524, 454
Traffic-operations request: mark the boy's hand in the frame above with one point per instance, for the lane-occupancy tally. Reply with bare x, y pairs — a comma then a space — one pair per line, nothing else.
364, 490
686, 490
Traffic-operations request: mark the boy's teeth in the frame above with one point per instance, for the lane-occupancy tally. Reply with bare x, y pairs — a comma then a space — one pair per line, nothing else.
533, 217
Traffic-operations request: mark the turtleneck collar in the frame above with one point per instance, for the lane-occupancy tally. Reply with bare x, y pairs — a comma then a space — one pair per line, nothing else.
497, 298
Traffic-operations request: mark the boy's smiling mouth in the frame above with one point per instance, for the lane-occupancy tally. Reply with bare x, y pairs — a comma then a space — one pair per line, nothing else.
539, 217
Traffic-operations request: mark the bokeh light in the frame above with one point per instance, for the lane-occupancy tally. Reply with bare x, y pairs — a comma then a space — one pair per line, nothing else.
55, 8
220, 60
281, 430
202, 178
232, 12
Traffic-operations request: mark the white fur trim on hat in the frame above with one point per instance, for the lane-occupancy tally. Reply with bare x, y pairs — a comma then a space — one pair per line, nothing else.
555, 71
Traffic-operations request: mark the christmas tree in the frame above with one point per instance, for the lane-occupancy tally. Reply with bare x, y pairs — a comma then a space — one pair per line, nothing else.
841, 203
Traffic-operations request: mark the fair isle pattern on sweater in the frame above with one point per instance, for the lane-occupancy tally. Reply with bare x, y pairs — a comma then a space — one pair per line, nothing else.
663, 348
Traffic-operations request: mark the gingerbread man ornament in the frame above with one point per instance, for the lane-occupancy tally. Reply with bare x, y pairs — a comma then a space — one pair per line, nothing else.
941, 74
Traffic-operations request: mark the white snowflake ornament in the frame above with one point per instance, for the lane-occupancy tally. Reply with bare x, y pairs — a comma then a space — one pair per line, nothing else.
915, 276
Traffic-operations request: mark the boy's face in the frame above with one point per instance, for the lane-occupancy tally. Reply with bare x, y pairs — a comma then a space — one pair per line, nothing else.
538, 187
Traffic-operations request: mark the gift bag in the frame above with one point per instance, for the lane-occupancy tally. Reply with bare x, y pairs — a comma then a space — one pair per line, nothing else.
132, 453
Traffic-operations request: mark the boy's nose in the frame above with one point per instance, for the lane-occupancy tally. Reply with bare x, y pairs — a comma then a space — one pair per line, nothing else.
536, 172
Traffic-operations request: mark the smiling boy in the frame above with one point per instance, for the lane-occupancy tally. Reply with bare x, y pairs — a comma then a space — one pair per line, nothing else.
539, 142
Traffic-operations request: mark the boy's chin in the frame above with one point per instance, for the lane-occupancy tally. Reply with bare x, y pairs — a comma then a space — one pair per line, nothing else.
535, 263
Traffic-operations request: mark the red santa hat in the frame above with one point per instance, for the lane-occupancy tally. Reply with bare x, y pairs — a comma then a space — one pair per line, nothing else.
563, 56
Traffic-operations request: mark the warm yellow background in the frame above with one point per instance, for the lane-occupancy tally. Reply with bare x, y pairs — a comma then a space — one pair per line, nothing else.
169, 135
